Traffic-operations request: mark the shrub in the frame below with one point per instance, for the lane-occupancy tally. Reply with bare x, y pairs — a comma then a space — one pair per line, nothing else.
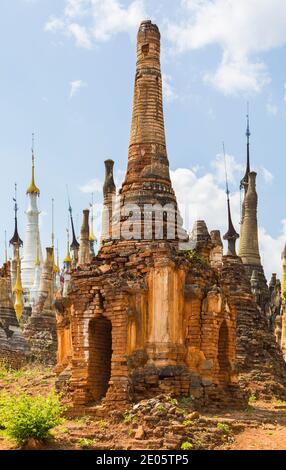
186, 446
24, 416
224, 428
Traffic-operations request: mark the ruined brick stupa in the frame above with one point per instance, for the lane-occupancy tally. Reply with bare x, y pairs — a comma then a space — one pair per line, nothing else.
14, 349
143, 316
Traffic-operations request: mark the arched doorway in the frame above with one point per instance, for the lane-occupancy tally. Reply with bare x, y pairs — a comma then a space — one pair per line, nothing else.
223, 354
100, 353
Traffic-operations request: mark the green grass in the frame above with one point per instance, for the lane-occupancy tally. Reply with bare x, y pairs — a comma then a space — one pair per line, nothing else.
9, 375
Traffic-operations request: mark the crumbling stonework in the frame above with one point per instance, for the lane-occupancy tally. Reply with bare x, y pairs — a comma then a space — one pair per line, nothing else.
280, 329
259, 360
145, 320
144, 317
249, 246
14, 349
84, 252
40, 330
109, 200
147, 316
216, 254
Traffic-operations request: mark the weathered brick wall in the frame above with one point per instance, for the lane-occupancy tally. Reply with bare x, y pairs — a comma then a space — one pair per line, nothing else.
14, 350
40, 330
165, 314
258, 355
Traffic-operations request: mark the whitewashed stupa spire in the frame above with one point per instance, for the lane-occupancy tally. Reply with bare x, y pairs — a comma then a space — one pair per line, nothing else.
32, 237
34, 293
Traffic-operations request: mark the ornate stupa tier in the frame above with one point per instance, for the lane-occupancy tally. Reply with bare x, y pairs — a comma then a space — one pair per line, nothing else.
32, 238
249, 247
147, 180
32, 244
147, 159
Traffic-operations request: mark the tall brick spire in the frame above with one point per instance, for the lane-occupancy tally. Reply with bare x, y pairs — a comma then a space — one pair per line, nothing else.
249, 245
147, 179
249, 248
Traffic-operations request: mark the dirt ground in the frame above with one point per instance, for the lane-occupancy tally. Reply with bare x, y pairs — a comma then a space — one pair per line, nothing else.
262, 426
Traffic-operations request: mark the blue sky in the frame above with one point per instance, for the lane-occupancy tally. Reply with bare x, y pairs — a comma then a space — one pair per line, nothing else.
67, 74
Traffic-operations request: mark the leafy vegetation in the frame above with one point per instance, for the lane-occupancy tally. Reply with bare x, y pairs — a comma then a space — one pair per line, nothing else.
187, 422
23, 416
9, 375
174, 402
224, 428
85, 443
277, 401
252, 399
195, 258
129, 418
186, 446
186, 402
160, 408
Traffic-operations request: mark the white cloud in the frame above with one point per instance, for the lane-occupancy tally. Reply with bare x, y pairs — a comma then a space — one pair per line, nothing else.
76, 8
97, 20
80, 35
54, 25
271, 108
234, 169
93, 186
235, 76
203, 198
110, 17
271, 249
168, 89
242, 29
75, 86
267, 175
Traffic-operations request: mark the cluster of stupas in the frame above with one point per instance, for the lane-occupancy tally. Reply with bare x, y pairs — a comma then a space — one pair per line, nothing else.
156, 309
29, 283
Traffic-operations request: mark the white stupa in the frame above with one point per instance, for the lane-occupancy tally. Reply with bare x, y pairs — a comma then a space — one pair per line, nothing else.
32, 243
35, 290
